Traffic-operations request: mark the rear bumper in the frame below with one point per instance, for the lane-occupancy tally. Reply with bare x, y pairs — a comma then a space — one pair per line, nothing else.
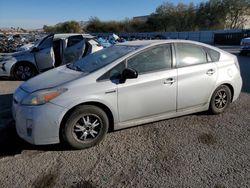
237, 85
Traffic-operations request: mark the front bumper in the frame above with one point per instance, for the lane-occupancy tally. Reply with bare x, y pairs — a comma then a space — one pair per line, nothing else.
38, 125
3, 71
5, 67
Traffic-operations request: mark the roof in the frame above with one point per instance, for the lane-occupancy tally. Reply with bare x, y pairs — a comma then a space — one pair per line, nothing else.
155, 42
66, 35
146, 43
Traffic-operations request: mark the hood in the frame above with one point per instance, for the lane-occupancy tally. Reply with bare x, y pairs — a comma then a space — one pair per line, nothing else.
4, 56
51, 78
20, 53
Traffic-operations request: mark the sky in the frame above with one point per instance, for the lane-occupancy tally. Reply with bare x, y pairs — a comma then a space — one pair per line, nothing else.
33, 14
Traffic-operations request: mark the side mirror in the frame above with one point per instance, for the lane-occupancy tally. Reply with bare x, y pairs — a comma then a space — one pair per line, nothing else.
35, 49
128, 74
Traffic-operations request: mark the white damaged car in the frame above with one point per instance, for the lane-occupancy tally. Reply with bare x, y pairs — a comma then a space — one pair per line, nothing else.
125, 85
51, 51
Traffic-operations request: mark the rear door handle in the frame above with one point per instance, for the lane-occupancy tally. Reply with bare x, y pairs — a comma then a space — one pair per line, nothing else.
169, 81
210, 72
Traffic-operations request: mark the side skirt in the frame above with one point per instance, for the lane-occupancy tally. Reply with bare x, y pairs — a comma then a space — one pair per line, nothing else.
150, 119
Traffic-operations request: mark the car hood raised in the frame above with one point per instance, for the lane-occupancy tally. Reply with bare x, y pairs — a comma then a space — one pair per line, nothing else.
51, 78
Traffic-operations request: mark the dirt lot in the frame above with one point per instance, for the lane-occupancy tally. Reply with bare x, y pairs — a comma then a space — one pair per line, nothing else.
198, 150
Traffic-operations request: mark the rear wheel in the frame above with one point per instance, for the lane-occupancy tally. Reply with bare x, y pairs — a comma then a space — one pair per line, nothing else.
24, 71
220, 100
85, 127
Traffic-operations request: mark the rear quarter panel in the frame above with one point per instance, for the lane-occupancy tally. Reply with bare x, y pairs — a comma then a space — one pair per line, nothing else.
228, 73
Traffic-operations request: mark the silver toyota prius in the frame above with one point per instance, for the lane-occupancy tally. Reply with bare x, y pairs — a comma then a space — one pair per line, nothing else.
125, 85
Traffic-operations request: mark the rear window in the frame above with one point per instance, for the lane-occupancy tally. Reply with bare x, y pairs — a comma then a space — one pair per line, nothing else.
214, 55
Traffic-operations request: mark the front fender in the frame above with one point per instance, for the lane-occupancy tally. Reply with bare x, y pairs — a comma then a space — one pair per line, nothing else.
79, 101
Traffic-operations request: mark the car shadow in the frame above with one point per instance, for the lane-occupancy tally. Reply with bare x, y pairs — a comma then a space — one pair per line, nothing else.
10, 143
5, 103
5, 78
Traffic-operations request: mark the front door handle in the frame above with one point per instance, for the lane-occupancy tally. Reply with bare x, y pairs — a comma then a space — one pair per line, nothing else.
210, 72
169, 81
110, 91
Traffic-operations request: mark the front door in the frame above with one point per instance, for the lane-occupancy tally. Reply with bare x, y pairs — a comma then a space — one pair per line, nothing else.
44, 56
154, 91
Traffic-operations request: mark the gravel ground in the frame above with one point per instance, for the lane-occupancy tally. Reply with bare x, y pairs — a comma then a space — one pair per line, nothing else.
197, 150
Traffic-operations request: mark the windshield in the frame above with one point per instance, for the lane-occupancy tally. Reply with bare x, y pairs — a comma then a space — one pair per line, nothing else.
101, 58
39, 41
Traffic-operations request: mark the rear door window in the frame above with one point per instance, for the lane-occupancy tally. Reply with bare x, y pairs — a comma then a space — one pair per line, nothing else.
189, 54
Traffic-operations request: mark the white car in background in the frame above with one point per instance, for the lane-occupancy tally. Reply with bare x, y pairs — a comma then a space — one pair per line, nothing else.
125, 85
51, 51
245, 46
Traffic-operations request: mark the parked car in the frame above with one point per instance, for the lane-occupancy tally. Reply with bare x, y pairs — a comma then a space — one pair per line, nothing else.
125, 85
52, 51
245, 46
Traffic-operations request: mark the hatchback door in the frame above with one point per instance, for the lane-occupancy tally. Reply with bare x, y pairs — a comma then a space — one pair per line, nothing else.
196, 76
74, 49
154, 91
44, 55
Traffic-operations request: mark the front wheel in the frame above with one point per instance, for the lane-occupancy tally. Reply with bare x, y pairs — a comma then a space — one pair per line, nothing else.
24, 71
220, 100
85, 127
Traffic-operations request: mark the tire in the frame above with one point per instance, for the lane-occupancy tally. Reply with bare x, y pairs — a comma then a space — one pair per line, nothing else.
220, 100
24, 71
85, 127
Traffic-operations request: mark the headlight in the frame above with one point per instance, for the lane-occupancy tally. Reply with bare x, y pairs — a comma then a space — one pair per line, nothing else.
42, 97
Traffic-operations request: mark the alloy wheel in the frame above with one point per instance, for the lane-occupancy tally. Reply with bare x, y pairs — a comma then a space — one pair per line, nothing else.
23, 72
221, 99
87, 128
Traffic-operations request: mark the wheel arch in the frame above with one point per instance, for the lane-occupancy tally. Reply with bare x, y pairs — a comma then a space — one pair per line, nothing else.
231, 89
93, 103
229, 85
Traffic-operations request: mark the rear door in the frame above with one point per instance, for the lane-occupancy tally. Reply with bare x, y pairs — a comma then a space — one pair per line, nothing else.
44, 56
196, 76
74, 49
